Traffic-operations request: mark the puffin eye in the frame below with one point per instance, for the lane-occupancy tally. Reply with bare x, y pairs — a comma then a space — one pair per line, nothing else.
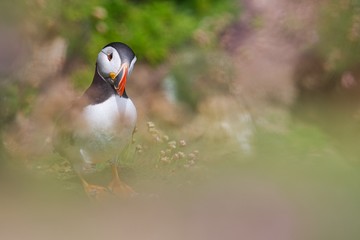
110, 56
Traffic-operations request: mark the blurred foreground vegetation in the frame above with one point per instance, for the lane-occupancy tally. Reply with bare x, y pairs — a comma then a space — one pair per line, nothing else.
315, 156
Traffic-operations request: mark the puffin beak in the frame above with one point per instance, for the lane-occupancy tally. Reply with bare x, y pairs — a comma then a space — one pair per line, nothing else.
119, 80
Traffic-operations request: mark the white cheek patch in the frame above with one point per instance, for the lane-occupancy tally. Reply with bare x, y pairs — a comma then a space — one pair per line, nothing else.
106, 66
132, 65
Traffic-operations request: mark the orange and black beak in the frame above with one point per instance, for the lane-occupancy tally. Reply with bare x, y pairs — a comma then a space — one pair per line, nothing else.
119, 80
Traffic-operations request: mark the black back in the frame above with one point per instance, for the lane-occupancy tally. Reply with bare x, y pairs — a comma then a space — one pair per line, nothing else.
100, 90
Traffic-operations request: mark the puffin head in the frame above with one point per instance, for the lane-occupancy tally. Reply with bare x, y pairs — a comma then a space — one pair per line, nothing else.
114, 64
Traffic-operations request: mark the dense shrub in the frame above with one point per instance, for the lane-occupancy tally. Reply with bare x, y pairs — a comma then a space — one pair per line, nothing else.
153, 28
339, 32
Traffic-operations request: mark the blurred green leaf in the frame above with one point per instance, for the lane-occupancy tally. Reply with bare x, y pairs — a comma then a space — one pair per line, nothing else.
339, 31
152, 28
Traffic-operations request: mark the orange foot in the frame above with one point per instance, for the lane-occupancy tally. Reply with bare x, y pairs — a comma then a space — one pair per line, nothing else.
96, 192
121, 189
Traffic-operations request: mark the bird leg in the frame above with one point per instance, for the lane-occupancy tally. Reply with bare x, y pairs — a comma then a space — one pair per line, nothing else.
118, 187
94, 191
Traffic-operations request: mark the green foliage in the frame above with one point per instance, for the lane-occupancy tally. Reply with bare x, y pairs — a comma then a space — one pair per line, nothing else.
303, 152
211, 76
340, 35
152, 28
15, 99
300, 142
9, 103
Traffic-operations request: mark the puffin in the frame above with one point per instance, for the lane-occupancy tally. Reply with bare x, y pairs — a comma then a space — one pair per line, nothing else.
99, 126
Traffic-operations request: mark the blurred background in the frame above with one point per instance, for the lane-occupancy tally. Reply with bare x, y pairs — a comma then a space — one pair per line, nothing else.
249, 117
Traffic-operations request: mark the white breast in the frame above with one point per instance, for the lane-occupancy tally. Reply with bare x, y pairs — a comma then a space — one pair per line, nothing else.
116, 113
106, 128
